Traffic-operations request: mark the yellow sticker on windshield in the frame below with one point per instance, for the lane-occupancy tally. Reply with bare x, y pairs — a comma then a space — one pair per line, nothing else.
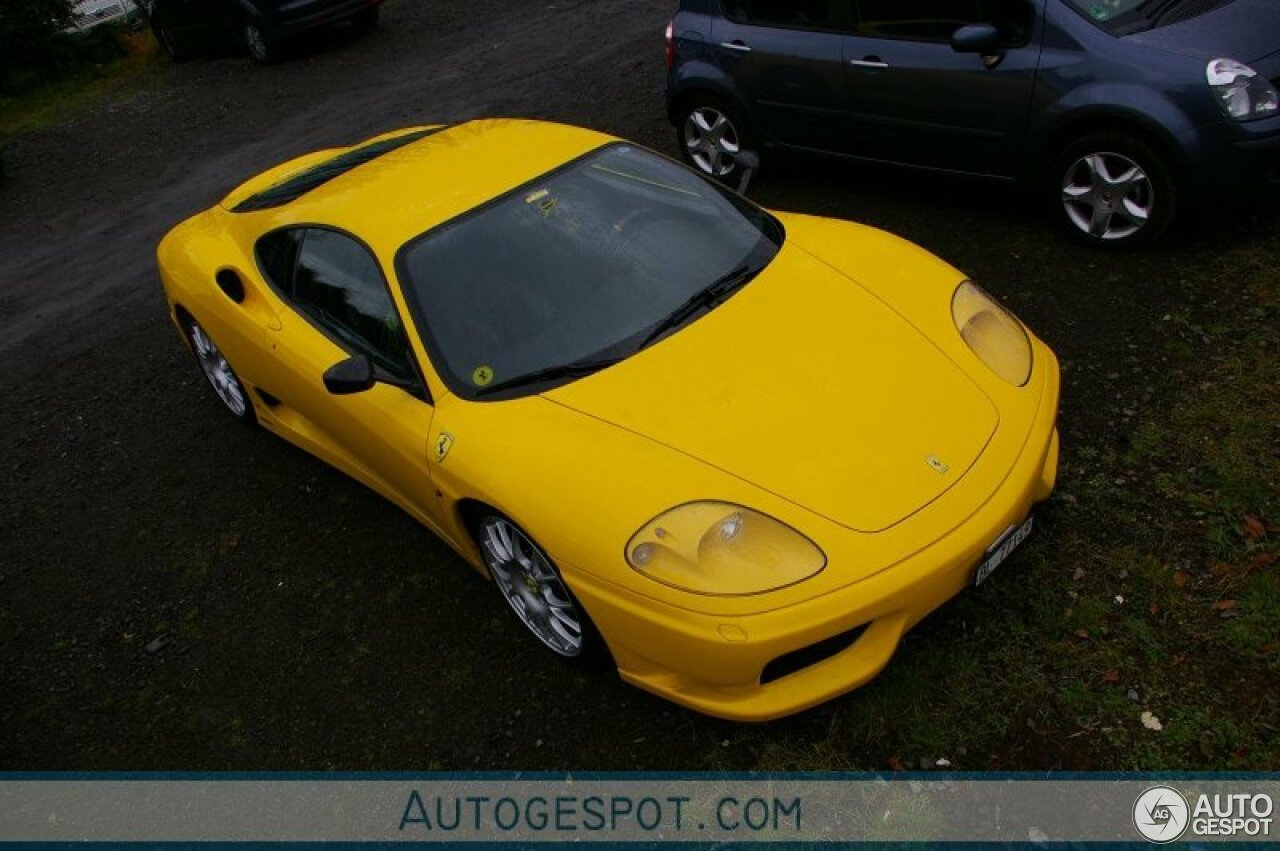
536, 196
482, 376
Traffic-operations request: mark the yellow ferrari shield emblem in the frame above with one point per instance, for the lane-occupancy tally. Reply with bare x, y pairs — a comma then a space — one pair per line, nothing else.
443, 444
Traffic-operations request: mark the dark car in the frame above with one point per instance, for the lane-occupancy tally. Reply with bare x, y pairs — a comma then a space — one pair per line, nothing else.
1122, 112
263, 27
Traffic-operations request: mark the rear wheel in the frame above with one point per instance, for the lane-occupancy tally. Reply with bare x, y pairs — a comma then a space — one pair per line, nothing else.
263, 45
711, 136
221, 377
1112, 190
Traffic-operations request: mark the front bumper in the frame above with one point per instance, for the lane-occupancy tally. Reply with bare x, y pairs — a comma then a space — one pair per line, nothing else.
715, 663
1236, 160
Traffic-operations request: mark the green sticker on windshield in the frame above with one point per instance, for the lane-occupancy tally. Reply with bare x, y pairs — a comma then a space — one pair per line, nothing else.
482, 376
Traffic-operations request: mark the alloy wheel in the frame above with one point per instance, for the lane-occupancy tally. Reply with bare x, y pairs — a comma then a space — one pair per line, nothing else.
221, 377
256, 41
1107, 196
711, 141
531, 586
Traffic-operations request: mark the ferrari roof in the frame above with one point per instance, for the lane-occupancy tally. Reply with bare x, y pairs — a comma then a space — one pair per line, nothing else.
403, 190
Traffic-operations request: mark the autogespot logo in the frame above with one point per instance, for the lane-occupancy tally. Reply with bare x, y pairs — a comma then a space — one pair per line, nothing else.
1161, 814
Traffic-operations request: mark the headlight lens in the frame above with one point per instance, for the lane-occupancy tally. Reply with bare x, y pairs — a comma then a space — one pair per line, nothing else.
1239, 90
722, 549
993, 333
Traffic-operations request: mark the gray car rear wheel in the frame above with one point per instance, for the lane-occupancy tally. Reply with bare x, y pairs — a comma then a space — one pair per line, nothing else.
711, 135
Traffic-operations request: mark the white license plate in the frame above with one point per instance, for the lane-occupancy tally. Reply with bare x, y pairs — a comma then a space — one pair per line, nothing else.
1000, 550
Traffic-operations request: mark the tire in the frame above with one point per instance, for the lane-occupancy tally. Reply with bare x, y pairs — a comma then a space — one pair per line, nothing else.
169, 42
710, 132
1112, 190
263, 45
532, 586
224, 382
366, 19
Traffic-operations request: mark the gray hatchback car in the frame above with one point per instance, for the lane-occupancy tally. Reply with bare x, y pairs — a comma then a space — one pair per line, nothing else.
1122, 112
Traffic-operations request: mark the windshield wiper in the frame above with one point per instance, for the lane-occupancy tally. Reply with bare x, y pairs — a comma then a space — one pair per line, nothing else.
706, 298
1154, 10
573, 369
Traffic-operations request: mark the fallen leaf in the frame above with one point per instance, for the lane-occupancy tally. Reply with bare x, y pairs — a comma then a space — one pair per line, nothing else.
1254, 528
1112, 676
1224, 605
1262, 559
1180, 578
1220, 569
1081, 633
895, 764
1151, 722
1155, 608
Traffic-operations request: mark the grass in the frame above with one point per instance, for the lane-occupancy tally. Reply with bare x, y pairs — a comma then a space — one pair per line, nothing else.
1153, 587
49, 103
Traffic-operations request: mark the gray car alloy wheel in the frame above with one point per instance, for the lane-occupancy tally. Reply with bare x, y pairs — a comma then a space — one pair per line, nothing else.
531, 586
221, 377
1107, 196
256, 40
711, 141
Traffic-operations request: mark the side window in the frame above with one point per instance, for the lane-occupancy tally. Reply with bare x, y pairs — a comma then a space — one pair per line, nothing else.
277, 255
338, 284
808, 14
936, 20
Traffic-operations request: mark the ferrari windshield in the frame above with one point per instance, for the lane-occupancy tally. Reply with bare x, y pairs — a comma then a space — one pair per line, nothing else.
577, 269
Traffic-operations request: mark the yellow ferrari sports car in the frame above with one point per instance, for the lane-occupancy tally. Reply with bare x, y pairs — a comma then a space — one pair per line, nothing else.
736, 453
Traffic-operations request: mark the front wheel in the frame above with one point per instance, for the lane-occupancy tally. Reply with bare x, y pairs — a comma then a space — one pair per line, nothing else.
711, 136
177, 51
263, 45
534, 590
1112, 190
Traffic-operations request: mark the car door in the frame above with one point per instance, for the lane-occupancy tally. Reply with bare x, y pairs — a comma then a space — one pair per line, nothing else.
342, 307
914, 100
785, 57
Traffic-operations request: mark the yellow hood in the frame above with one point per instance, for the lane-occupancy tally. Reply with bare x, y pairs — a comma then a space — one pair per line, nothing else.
808, 386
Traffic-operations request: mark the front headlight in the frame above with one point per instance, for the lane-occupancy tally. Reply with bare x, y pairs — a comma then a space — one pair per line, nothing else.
1239, 90
722, 549
995, 336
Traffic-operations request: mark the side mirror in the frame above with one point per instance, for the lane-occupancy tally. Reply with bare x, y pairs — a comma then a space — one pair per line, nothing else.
976, 38
749, 162
353, 375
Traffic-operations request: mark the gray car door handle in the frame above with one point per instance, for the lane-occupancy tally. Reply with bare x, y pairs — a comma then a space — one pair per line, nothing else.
735, 45
869, 62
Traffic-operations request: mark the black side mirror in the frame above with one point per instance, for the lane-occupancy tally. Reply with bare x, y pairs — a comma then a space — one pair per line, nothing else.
749, 163
353, 375
976, 38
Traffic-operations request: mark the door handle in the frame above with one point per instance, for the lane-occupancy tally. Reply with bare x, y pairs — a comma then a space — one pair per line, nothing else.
736, 44
869, 62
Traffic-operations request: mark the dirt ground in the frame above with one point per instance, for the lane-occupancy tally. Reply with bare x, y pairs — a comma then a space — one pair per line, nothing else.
178, 592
